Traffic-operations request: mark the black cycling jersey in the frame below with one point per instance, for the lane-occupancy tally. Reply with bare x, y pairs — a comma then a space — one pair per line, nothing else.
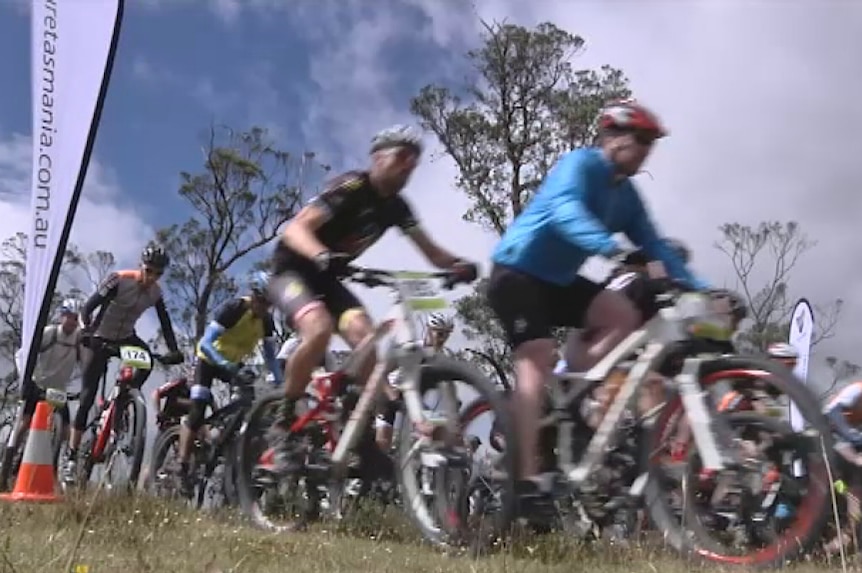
357, 217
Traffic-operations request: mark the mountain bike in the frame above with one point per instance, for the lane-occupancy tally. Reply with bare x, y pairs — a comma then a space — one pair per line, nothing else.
214, 449
623, 462
119, 426
12, 452
336, 423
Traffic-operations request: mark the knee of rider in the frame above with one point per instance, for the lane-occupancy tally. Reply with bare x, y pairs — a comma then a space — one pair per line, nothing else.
537, 354
318, 331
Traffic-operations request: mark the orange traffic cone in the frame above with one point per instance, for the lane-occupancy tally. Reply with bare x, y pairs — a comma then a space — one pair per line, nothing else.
36, 475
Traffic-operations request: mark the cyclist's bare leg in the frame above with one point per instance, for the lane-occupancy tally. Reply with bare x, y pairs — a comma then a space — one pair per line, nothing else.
315, 328
613, 317
383, 437
355, 325
533, 365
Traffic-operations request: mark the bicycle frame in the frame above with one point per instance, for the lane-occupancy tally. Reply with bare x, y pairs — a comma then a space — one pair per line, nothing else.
654, 337
103, 424
233, 413
403, 349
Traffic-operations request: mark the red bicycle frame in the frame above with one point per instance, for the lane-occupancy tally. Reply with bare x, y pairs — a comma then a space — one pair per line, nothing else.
108, 410
327, 387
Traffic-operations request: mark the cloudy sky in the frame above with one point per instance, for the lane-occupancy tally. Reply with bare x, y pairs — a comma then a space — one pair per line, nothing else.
758, 96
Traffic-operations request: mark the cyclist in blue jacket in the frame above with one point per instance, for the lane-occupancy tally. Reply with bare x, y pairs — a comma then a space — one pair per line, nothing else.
535, 283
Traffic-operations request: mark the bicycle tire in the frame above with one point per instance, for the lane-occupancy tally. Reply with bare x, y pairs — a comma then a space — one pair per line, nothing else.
139, 439
813, 512
160, 450
57, 440
441, 369
245, 460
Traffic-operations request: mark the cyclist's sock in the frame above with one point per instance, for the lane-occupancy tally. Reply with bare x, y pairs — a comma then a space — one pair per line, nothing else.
73, 454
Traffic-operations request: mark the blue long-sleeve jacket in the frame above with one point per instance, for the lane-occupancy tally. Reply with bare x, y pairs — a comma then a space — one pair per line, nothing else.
572, 217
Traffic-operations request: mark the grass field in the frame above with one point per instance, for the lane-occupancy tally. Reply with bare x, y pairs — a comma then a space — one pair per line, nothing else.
137, 535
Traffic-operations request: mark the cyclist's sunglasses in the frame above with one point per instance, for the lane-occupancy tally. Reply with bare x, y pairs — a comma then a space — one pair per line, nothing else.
644, 137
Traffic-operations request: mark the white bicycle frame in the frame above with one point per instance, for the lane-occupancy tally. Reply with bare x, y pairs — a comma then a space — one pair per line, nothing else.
403, 349
663, 329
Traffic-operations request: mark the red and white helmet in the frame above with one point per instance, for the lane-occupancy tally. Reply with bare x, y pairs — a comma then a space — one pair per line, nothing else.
629, 114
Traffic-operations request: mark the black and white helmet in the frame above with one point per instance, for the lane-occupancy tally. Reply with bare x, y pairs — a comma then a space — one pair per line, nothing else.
439, 321
397, 136
70, 306
156, 257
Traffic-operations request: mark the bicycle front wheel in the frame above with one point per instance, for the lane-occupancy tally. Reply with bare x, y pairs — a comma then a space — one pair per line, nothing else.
807, 493
443, 520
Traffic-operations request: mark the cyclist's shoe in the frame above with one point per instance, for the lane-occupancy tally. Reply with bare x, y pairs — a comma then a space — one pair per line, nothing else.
70, 471
284, 456
535, 502
186, 482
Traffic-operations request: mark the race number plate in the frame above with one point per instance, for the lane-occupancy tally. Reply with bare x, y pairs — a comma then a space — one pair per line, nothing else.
136, 357
56, 398
421, 291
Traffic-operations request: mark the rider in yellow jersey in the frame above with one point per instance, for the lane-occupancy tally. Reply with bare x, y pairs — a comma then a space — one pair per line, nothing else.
234, 333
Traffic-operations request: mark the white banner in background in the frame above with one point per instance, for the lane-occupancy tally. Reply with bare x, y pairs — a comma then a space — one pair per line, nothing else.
73, 44
801, 331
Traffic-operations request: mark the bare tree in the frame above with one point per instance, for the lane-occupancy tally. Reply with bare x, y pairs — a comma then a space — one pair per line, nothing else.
79, 274
247, 189
841, 370
524, 106
763, 260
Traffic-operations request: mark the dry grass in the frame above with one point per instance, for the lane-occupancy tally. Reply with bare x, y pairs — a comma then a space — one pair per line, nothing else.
137, 535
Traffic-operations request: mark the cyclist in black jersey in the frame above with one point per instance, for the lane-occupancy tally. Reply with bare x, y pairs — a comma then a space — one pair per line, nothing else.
351, 214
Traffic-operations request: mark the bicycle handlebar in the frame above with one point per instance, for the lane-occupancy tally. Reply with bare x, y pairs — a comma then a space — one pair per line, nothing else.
373, 278
113, 349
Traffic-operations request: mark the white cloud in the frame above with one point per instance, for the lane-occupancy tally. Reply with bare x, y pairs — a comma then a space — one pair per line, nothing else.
755, 94
104, 221
227, 10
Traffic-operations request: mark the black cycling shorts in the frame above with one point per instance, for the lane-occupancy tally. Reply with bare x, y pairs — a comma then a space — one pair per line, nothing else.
205, 373
294, 291
529, 308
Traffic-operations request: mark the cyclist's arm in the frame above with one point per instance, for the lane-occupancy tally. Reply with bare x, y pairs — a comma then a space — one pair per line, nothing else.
225, 318
572, 220
847, 398
104, 294
269, 353
300, 233
642, 232
840, 425
167, 327
48, 338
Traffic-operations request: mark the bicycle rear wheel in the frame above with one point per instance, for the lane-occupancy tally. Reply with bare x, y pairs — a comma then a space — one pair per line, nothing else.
812, 448
443, 522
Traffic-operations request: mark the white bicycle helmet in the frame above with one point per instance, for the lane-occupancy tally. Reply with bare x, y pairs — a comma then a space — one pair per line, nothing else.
782, 351
396, 136
439, 321
70, 306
